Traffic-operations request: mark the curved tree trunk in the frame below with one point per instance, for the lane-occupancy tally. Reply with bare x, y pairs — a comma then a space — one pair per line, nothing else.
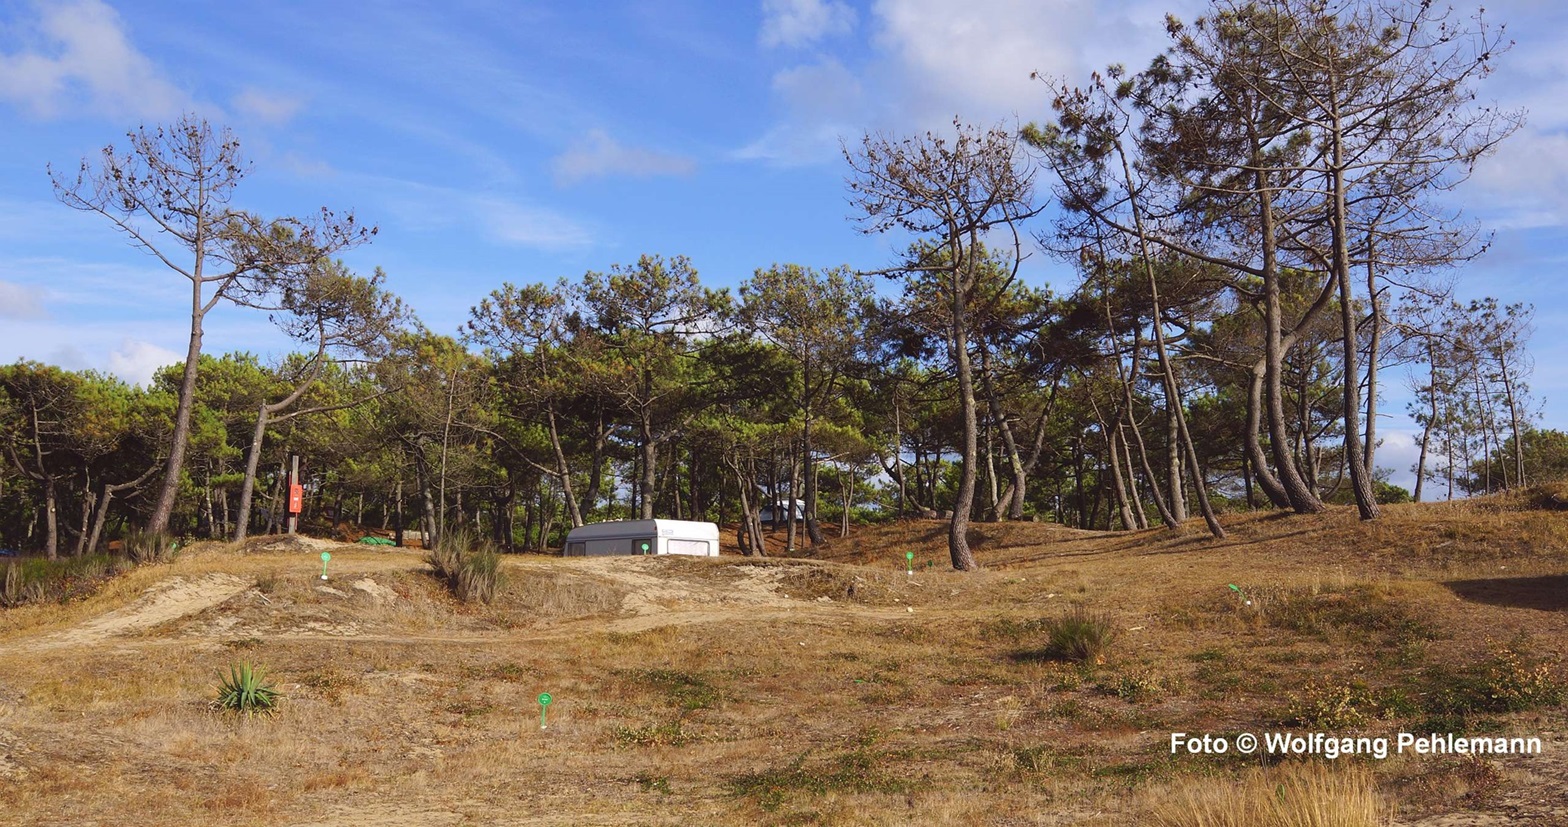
958, 528
1266, 480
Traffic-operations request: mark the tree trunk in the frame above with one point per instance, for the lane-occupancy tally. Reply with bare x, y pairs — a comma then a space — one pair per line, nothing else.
51, 520
1173, 470
590, 497
1272, 488
1015, 465
1172, 389
158, 523
813, 526
958, 340
898, 455
107, 497
1355, 455
1513, 420
649, 458
789, 507
87, 515
563, 471
1301, 497
1123, 506
1426, 435
1140, 519
252, 460
1373, 348
993, 493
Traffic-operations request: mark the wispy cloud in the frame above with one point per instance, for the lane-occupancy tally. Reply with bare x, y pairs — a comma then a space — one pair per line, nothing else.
598, 155
417, 207
20, 301
799, 23
82, 59
271, 108
508, 222
823, 102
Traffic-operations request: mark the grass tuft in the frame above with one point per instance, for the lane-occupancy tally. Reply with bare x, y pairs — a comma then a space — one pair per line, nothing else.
1288, 795
468, 564
144, 547
1081, 635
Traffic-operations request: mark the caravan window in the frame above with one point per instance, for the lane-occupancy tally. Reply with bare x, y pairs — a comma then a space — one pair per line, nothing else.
697, 547
578, 549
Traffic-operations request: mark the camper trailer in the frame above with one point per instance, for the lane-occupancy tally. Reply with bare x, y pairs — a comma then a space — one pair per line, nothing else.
643, 537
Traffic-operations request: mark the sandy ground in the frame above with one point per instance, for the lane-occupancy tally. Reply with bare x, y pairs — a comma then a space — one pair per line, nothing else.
210, 608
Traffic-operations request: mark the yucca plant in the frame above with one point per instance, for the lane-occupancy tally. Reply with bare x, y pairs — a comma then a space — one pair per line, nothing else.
247, 691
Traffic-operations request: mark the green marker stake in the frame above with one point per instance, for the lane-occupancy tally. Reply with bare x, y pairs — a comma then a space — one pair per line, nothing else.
909, 563
544, 707
325, 556
1241, 593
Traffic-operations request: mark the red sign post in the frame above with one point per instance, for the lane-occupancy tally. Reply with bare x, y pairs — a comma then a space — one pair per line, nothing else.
296, 498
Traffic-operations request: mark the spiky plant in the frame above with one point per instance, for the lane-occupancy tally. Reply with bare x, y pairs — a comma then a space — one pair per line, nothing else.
247, 691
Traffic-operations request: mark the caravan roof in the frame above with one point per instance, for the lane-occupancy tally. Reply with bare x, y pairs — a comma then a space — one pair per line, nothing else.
645, 528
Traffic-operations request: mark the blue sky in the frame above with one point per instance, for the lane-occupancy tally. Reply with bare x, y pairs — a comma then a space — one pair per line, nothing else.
515, 141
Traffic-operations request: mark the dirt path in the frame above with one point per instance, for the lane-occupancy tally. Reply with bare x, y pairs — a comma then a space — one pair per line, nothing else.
170, 599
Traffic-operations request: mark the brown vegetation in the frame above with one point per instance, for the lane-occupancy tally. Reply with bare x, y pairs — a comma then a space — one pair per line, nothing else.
832, 691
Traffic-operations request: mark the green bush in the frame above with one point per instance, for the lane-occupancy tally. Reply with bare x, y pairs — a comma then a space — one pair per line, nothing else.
37, 579
247, 691
1507, 681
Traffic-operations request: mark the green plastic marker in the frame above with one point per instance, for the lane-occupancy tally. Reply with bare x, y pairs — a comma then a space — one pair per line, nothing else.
909, 563
1238, 591
325, 556
544, 707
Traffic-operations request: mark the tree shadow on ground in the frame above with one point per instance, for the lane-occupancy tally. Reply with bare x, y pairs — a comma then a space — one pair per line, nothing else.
1548, 593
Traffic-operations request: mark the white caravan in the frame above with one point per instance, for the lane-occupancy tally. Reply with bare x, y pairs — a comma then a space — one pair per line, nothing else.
643, 537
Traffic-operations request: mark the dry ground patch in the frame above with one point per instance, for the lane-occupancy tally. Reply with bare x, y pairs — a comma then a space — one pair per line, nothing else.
830, 691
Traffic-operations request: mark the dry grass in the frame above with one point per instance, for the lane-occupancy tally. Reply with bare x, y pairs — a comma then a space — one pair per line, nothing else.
1289, 795
837, 691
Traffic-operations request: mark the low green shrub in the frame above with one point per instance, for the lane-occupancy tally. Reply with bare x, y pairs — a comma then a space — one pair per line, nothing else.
38, 580
1506, 681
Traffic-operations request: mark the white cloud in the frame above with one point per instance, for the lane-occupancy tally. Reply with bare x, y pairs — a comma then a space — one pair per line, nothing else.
136, 361
823, 102
975, 58
1525, 184
20, 301
267, 107
83, 59
800, 23
508, 222
1398, 453
598, 155
928, 61
69, 357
